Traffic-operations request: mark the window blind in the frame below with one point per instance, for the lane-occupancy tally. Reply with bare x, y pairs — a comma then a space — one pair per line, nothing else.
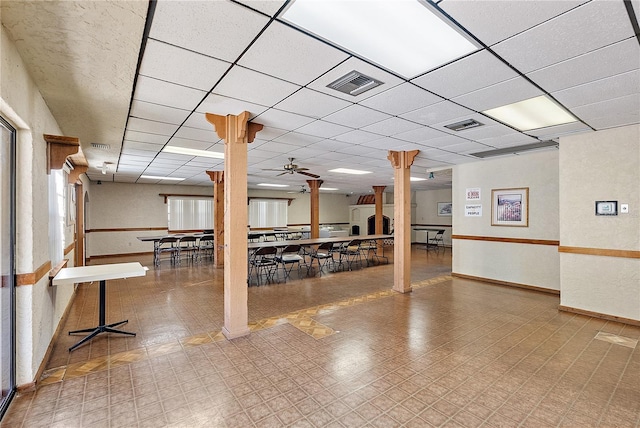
190, 213
267, 213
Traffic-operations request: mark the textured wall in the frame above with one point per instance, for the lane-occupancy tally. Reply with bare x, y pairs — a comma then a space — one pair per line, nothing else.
38, 306
536, 265
602, 165
427, 212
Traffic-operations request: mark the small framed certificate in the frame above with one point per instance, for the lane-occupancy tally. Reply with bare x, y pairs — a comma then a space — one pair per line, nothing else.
606, 207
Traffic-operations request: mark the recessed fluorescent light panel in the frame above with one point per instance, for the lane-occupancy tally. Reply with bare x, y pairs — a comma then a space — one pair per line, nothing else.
349, 171
193, 152
534, 113
272, 185
408, 37
416, 179
157, 177
329, 188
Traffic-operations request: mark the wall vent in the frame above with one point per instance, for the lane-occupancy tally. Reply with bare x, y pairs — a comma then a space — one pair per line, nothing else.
465, 124
100, 146
516, 149
354, 83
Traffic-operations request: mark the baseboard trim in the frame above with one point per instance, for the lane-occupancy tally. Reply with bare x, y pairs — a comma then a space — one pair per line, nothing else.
507, 283
607, 317
106, 256
54, 339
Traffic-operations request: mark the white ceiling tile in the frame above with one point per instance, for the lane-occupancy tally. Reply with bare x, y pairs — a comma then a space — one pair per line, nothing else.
420, 134
462, 76
401, 99
329, 145
356, 116
221, 105
167, 94
269, 7
600, 90
467, 147
493, 21
177, 65
209, 136
608, 61
256, 154
140, 154
159, 113
386, 143
199, 121
388, 79
304, 155
142, 146
312, 103
437, 113
508, 140
270, 133
190, 144
507, 92
297, 139
144, 137
198, 27
552, 132
278, 148
289, 54
254, 87
447, 140
323, 129
611, 113
282, 120
391, 126
591, 26
357, 137
336, 155
149, 127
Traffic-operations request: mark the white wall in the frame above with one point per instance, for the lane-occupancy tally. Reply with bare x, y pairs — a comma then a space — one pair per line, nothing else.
600, 166
38, 306
427, 213
135, 206
535, 265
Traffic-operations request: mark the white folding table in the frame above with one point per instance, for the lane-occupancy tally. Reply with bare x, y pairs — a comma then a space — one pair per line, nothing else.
100, 273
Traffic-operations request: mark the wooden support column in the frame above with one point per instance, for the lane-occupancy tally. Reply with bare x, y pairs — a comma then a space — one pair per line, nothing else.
314, 186
218, 217
401, 162
236, 133
379, 216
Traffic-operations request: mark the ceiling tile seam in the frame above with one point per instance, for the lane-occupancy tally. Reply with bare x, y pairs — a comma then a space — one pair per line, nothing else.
143, 44
633, 18
517, 71
235, 63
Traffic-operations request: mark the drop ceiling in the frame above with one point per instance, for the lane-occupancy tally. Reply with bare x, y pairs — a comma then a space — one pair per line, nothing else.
150, 71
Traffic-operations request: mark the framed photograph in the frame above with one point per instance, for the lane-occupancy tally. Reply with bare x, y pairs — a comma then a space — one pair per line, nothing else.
606, 207
510, 207
444, 209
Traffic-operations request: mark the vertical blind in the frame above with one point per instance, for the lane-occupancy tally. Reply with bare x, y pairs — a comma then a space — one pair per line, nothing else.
268, 213
190, 213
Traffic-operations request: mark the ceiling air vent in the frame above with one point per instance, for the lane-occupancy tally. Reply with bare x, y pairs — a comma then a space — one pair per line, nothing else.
516, 149
465, 124
100, 146
354, 83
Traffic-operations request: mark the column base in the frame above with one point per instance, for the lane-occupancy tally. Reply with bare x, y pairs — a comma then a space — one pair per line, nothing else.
234, 335
402, 290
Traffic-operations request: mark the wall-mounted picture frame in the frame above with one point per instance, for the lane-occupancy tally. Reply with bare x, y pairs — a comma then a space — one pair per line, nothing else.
510, 207
606, 207
445, 209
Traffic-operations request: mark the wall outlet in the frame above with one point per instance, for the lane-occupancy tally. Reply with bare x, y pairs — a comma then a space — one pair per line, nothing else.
624, 208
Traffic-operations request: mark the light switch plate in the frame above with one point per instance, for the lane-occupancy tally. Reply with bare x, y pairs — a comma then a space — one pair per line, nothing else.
624, 208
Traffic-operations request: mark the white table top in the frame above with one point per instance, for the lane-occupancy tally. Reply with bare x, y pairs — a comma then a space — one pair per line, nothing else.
79, 274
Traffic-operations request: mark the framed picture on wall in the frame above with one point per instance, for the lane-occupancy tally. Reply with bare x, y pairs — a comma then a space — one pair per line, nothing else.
510, 207
444, 209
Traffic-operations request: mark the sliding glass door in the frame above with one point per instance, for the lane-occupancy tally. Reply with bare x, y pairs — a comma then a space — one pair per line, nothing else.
7, 278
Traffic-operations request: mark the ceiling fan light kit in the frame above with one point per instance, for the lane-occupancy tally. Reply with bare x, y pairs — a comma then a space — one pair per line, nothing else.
290, 168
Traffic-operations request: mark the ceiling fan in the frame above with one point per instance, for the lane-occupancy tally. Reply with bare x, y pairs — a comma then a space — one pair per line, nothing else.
302, 190
290, 168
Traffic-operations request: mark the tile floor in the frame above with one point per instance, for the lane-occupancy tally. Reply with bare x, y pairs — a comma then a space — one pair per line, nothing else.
340, 350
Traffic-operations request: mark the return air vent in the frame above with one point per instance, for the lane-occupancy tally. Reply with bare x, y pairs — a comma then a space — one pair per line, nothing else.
100, 146
516, 149
465, 124
354, 83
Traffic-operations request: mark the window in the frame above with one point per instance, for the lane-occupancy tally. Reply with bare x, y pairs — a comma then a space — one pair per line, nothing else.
190, 213
268, 213
57, 215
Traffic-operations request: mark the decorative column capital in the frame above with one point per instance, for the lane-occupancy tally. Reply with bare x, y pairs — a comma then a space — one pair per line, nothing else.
402, 159
314, 184
216, 176
244, 129
378, 189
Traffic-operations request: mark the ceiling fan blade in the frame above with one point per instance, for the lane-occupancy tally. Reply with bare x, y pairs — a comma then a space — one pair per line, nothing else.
282, 173
307, 174
271, 169
302, 169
